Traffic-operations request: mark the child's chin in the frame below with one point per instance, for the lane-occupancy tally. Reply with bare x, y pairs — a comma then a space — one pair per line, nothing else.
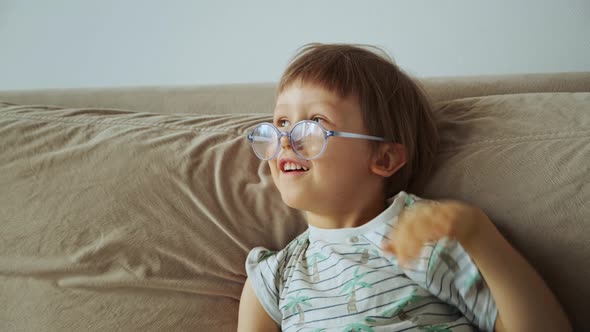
295, 201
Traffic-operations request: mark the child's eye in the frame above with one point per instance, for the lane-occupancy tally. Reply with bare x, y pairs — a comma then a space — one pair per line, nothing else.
317, 119
283, 123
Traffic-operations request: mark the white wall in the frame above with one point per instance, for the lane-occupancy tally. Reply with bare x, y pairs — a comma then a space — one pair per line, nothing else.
81, 43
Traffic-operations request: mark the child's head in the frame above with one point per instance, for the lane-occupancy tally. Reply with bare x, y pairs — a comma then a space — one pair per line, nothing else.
357, 90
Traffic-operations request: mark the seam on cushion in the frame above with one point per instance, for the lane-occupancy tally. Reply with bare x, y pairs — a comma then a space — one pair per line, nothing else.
129, 123
521, 139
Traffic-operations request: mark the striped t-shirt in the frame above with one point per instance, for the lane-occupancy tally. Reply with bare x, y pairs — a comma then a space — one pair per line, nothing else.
342, 280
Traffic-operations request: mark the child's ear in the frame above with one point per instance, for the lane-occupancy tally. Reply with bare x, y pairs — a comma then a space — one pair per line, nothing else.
388, 158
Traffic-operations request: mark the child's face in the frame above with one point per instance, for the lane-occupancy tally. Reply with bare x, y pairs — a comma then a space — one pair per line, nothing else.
342, 173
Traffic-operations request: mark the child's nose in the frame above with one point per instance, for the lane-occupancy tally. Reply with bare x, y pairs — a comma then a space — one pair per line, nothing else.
285, 142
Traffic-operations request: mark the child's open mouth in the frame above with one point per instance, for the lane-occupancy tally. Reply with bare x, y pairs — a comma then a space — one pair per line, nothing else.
290, 166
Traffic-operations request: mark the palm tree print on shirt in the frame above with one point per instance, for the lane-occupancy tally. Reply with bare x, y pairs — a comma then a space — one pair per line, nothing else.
265, 254
295, 303
398, 309
436, 328
365, 254
409, 200
313, 261
351, 288
354, 327
444, 256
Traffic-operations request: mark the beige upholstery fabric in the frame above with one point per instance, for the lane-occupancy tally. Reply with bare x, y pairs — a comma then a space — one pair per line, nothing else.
121, 220
525, 159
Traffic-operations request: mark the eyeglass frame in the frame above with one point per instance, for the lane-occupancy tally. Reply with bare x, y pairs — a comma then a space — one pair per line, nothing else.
327, 134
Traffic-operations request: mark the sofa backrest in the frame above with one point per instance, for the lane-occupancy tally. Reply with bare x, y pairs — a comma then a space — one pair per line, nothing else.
259, 98
131, 220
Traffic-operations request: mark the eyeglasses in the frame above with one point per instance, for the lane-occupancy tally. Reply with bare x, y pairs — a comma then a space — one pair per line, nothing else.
307, 138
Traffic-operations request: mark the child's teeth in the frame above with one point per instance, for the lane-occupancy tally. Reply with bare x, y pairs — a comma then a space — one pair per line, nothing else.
294, 167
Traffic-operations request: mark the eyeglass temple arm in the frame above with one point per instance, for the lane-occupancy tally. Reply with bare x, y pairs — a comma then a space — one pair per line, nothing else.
352, 135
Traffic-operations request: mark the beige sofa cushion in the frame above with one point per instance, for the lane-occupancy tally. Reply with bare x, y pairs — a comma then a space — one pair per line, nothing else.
525, 159
119, 220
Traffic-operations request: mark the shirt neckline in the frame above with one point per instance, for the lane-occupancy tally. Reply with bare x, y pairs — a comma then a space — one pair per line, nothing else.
388, 215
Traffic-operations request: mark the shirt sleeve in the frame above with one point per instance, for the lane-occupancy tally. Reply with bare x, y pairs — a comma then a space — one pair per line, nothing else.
263, 267
452, 276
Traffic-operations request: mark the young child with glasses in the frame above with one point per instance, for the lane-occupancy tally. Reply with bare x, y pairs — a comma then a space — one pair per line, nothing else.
350, 133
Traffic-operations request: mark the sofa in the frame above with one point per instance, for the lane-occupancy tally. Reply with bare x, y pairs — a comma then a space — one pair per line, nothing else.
133, 208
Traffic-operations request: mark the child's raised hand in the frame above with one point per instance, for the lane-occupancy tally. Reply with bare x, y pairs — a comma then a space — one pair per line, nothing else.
425, 221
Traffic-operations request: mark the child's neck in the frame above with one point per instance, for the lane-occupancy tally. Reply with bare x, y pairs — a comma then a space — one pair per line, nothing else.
346, 218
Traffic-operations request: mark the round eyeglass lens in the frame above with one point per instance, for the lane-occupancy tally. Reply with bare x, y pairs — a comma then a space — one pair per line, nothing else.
265, 141
308, 139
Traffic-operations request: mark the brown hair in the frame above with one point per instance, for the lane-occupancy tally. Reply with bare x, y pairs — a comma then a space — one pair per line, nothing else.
394, 106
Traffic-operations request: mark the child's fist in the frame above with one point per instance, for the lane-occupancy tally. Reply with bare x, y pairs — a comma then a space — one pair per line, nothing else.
425, 221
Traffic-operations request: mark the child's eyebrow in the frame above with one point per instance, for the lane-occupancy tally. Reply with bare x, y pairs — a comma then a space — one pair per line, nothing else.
328, 108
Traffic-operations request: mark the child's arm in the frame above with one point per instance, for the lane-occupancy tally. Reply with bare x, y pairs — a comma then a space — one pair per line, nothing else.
252, 316
524, 301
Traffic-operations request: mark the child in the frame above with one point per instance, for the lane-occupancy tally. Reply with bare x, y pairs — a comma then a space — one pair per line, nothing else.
350, 129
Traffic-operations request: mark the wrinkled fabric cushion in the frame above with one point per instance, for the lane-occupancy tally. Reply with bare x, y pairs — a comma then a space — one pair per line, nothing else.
525, 159
118, 220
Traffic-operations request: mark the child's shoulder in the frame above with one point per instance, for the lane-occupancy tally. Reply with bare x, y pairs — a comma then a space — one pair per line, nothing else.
260, 254
404, 198
297, 243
